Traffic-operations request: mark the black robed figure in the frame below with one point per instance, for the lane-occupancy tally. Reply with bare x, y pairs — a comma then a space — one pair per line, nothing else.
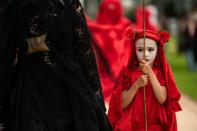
53, 85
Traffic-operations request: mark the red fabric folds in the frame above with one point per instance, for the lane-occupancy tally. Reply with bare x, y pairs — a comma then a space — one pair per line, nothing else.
108, 32
110, 12
160, 117
150, 22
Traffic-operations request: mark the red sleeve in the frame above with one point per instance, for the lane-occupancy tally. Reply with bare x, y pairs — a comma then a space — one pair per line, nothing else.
172, 104
161, 79
173, 94
115, 106
126, 81
166, 79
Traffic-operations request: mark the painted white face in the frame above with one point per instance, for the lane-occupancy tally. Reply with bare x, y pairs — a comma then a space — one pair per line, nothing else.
150, 50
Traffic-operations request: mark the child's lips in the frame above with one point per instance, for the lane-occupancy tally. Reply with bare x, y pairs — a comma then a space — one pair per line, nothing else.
146, 60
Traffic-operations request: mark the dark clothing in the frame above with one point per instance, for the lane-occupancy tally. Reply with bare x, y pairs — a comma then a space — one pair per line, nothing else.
190, 46
53, 86
189, 41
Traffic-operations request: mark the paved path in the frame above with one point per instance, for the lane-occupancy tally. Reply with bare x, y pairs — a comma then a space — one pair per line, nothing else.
187, 118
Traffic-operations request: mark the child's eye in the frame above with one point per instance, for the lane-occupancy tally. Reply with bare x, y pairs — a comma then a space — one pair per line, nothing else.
140, 50
150, 49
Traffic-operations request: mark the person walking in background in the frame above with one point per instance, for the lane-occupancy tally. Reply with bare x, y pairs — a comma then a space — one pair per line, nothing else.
54, 86
195, 38
190, 40
151, 14
148, 68
107, 29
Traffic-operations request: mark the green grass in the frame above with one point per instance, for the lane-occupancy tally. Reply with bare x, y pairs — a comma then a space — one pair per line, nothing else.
186, 80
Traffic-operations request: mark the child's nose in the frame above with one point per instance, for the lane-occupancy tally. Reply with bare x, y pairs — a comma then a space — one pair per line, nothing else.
146, 53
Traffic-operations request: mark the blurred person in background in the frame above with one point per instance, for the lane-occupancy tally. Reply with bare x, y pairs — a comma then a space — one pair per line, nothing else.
181, 29
195, 39
54, 86
107, 29
189, 41
151, 17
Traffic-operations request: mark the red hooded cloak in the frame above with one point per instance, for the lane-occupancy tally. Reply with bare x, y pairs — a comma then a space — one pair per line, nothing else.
107, 30
161, 117
150, 18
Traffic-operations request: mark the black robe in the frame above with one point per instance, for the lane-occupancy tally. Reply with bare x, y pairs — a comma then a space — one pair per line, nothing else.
50, 86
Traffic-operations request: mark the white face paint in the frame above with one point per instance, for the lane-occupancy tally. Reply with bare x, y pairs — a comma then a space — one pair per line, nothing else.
150, 50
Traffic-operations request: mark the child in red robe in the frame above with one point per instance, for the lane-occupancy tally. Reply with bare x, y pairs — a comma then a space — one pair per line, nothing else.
152, 71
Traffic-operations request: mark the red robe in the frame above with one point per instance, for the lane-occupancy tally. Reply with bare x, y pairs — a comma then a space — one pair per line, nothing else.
108, 31
160, 117
150, 23
132, 118
116, 54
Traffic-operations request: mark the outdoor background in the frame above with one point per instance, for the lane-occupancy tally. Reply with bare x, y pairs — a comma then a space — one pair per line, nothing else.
173, 16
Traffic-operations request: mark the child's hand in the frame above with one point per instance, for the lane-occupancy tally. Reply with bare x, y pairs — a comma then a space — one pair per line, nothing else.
142, 81
145, 67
